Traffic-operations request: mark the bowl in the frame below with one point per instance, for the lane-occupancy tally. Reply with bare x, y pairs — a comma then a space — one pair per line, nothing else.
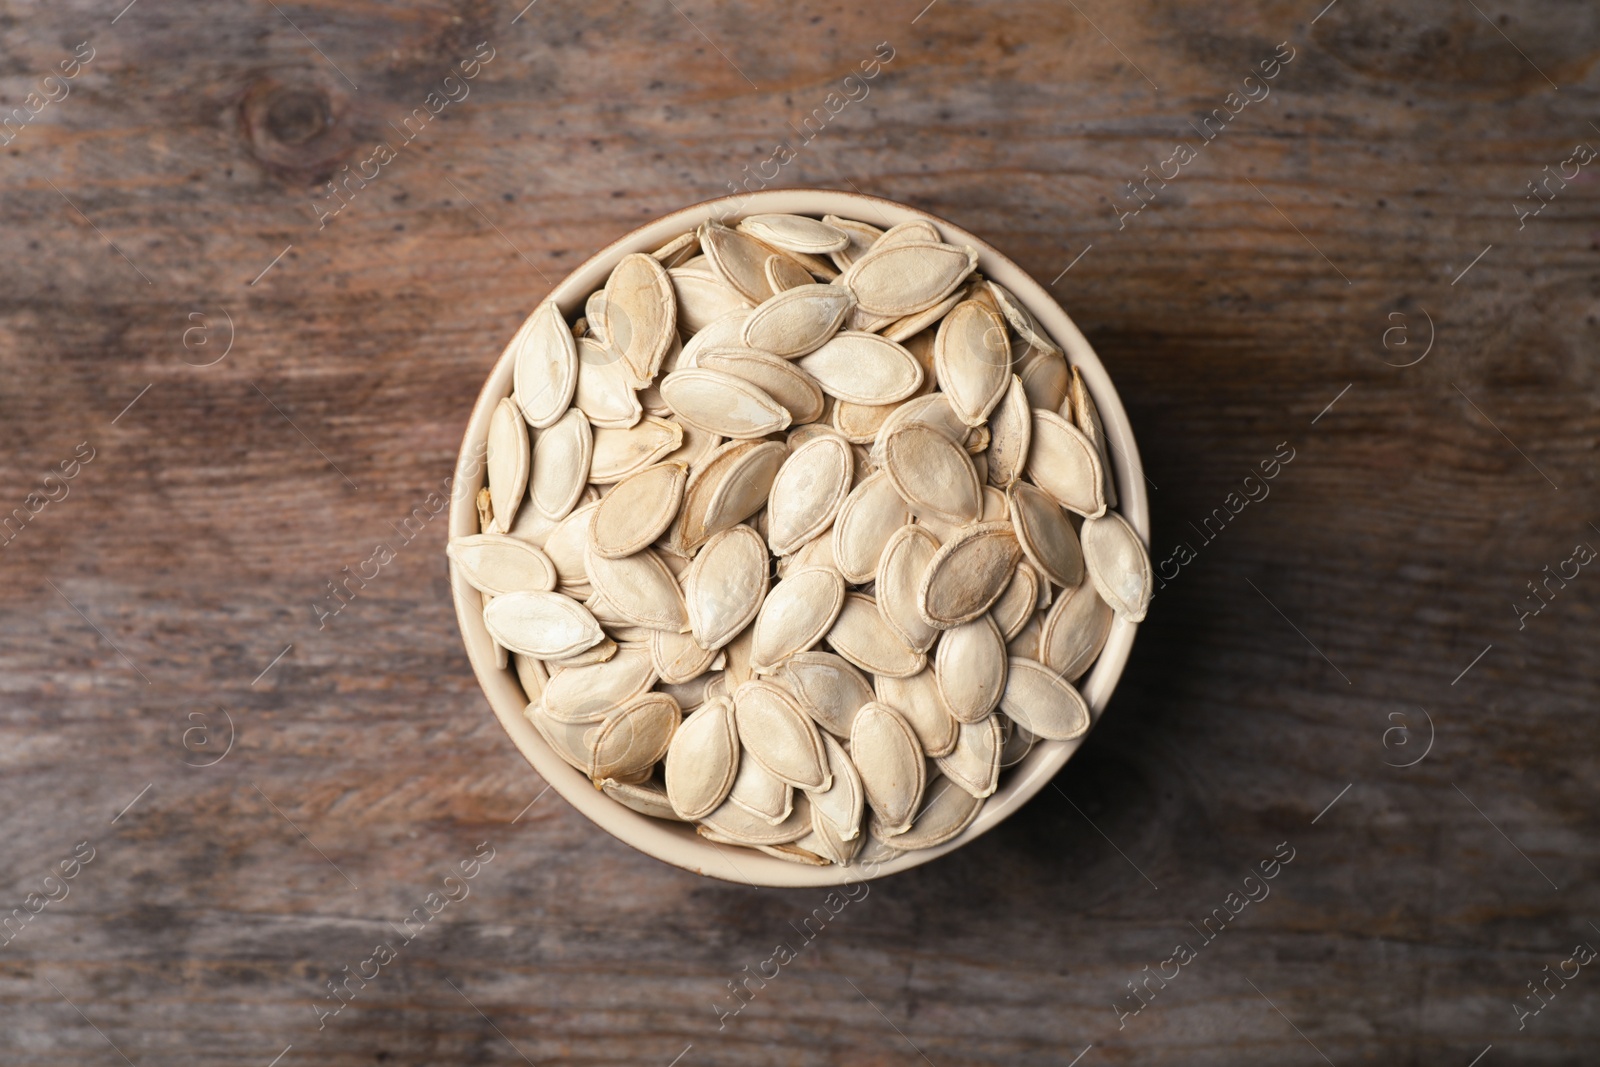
677, 843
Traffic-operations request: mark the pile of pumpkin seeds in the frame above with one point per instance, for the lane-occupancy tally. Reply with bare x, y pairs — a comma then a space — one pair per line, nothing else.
800, 534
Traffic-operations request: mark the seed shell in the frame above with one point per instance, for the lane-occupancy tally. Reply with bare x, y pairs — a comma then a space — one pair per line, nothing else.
634, 737
901, 568
891, 764
723, 404
974, 762
507, 461
1074, 631
498, 564
794, 390
561, 460
797, 613
779, 736
1118, 564
725, 585
968, 574
798, 320
918, 699
641, 314
971, 668
1044, 533
807, 492
896, 279
932, 474
542, 625
795, 233
544, 366
864, 368
827, 687
945, 814
1064, 463
638, 510
589, 694
869, 516
702, 760
860, 635
641, 588
972, 360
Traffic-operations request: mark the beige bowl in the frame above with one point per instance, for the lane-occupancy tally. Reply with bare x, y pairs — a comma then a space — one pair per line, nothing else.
677, 843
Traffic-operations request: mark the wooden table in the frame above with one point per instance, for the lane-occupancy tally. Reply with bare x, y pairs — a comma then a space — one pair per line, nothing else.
1339, 273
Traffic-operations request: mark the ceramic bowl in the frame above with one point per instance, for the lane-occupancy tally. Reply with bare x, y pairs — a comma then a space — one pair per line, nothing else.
677, 843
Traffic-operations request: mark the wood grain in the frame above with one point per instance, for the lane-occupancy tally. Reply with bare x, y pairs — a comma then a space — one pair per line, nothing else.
173, 191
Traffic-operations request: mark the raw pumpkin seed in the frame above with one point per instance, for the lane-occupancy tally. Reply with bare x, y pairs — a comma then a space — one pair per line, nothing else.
677, 657
1010, 434
807, 492
891, 765
863, 368
794, 390
972, 360
968, 574
1074, 631
723, 404
762, 793
869, 516
641, 588
919, 701
646, 799
795, 233
561, 461
1038, 699
637, 510
507, 462
1086, 417
974, 762
860, 635
589, 694
827, 687
1064, 463
901, 568
779, 736
605, 392
1118, 564
498, 564
798, 320
702, 760
634, 737
544, 366
947, 811
841, 804
725, 585
1018, 603
738, 259
932, 474
641, 315
797, 613
617, 453
542, 625
1046, 537
971, 668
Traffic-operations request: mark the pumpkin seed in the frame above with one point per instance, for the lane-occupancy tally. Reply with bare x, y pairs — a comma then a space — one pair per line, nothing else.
904, 561
794, 390
860, 635
919, 701
793, 854
891, 765
738, 259
637, 510
677, 250
1010, 433
825, 840
1074, 631
544, 366
807, 492
1017, 604
641, 588
945, 814
726, 332
1086, 417
779, 736
542, 625
561, 461
859, 423
641, 315
797, 613
970, 665
566, 545
531, 674
702, 760
605, 392
863, 368
932, 474
1046, 537
589, 694
974, 762
795, 233
1045, 377
761, 793
1026, 643
703, 298
646, 799
1063, 462
722, 404
634, 737
827, 687
798, 320
497, 564
912, 230
573, 743
909, 326
1037, 699
1118, 564
729, 486
596, 653
678, 658
904, 278
841, 804
507, 461
972, 360
783, 273
968, 574
725, 585
617, 453
731, 824
869, 516
1020, 318
862, 237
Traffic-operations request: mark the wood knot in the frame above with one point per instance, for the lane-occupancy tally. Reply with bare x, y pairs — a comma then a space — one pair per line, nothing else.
297, 128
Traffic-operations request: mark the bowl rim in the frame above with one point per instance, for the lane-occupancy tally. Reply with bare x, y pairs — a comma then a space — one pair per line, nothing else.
676, 843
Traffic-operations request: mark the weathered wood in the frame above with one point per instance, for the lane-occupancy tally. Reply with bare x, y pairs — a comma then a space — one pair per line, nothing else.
1253, 292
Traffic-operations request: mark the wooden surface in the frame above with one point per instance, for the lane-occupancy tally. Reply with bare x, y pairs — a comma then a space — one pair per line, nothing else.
1395, 147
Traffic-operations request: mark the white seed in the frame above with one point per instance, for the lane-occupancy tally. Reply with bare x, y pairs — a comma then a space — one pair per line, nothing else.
565, 547
901, 568
617, 453
1020, 318
1039, 700
723, 404
1018, 603
798, 320
641, 314
807, 492
702, 760
869, 516
497, 564
1074, 631
761, 793
843, 801
725, 585
542, 625
779, 736
677, 250
918, 699
589, 694
634, 737
678, 658
968, 574
726, 332
1086, 417
795, 391
544, 367
605, 392
573, 743
531, 674
640, 588
1118, 564
1010, 434
898, 279
797, 613
972, 360
1063, 462
731, 824
859, 423
827, 687
561, 460
861, 636
862, 237
1045, 377
864, 368
637, 510
729, 486
1046, 537
933, 475
738, 259
507, 461
891, 765
947, 811
703, 298
795, 233
783, 272
974, 762
971, 667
